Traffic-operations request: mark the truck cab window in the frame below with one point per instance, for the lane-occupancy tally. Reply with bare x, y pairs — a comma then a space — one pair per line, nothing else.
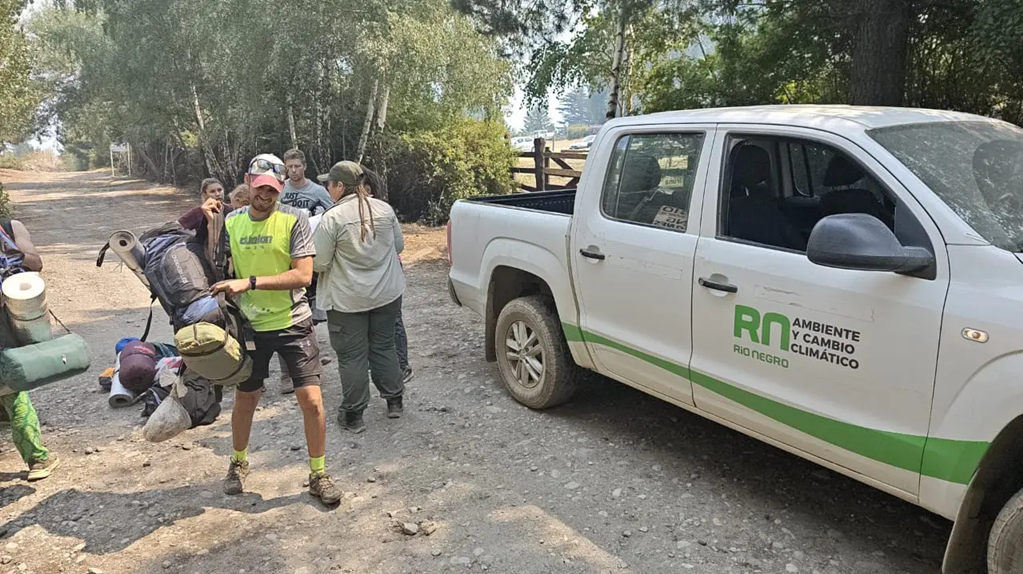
650, 180
777, 189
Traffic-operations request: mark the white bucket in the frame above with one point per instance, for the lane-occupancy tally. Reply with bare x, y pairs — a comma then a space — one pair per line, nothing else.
25, 299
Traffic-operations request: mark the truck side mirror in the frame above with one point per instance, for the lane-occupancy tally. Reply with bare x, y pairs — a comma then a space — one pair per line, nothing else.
862, 242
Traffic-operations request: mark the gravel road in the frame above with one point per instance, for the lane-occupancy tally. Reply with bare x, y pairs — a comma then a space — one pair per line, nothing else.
615, 481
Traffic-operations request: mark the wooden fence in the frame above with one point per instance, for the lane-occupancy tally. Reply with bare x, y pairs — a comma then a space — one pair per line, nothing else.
542, 170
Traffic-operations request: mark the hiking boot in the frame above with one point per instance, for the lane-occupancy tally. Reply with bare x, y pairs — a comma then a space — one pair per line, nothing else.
41, 469
236, 473
407, 374
321, 486
394, 408
287, 385
351, 421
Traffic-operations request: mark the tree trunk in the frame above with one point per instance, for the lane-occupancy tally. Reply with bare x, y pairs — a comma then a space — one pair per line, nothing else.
368, 123
318, 127
291, 126
209, 154
384, 99
150, 164
880, 51
616, 63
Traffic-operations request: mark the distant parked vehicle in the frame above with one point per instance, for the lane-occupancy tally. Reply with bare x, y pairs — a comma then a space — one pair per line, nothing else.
523, 143
584, 143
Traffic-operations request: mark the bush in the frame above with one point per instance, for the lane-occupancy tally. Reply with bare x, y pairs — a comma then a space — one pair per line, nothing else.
577, 131
6, 207
31, 160
426, 172
11, 161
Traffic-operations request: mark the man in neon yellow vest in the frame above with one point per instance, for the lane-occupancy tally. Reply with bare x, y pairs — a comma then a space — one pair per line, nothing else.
272, 251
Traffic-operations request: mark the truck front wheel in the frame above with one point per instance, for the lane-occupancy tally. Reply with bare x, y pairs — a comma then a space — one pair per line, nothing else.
1005, 544
532, 354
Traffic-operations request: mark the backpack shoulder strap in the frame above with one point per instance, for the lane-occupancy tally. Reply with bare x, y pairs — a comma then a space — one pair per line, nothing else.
215, 252
8, 227
149, 321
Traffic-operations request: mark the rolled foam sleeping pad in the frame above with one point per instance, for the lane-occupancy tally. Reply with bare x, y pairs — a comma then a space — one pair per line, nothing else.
32, 366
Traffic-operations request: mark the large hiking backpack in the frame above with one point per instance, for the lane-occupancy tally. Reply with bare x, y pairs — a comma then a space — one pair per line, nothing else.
180, 270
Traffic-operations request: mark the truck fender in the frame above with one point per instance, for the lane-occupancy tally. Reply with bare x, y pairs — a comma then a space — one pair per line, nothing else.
986, 417
516, 269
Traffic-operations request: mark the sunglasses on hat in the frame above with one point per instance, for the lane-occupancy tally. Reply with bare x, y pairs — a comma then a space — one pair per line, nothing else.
260, 166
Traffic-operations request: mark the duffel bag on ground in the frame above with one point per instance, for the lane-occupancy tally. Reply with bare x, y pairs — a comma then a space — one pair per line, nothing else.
26, 368
214, 354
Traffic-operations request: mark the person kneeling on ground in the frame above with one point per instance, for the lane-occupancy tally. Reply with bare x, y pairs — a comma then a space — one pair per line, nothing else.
361, 284
272, 251
18, 253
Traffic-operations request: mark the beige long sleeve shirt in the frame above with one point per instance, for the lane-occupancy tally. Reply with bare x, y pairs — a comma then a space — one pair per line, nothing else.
357, 275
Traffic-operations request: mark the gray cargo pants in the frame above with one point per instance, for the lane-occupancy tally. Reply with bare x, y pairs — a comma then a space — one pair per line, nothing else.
363, 342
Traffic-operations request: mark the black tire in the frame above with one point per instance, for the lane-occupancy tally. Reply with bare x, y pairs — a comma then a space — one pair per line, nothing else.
557, 380
1005, 543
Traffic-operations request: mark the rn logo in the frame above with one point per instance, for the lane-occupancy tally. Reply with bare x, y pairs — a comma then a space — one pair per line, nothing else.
760, 330
824, 342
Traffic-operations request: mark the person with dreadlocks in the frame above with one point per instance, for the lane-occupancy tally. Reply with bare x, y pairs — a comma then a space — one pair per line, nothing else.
360, 286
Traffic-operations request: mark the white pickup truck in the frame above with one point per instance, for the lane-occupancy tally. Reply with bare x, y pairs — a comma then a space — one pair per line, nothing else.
843, 283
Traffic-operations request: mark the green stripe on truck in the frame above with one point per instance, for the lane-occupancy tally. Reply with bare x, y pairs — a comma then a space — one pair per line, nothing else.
944, 459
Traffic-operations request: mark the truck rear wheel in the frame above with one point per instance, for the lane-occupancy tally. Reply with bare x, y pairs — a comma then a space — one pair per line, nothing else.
1005, 543
536, 366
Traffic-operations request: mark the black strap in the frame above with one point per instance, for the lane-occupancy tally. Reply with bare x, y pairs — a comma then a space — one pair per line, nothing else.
149, 321
102, 254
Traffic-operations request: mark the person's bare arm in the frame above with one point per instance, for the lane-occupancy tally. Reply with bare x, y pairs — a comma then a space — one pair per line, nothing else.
299, 276
23, 239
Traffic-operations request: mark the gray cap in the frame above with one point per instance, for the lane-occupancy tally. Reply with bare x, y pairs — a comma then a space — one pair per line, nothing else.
347, 172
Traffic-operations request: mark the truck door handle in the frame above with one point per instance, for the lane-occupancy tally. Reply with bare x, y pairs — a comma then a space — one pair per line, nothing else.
726, 287
592, 254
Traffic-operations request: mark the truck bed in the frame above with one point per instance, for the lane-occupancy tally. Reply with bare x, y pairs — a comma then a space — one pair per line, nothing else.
561, 201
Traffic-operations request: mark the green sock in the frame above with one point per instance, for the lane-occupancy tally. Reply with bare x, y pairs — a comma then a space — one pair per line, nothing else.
316, 465
240, 455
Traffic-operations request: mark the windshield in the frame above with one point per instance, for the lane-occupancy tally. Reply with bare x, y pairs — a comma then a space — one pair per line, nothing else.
974, 167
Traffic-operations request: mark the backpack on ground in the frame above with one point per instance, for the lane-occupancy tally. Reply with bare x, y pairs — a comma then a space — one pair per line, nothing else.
200, 400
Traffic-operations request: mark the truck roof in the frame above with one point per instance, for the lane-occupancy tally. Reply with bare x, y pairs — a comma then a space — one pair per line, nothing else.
831, 117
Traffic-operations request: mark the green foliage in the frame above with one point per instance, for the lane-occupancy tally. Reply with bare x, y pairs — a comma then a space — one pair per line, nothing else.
538, 120
579, 107
198, 87
19, 95
6, 207
577, 131
11, 161
426, 172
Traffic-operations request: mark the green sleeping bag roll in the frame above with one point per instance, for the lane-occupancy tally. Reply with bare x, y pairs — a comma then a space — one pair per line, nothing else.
32, 366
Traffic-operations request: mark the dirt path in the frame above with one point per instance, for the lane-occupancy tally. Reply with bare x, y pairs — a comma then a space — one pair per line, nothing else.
614, 482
